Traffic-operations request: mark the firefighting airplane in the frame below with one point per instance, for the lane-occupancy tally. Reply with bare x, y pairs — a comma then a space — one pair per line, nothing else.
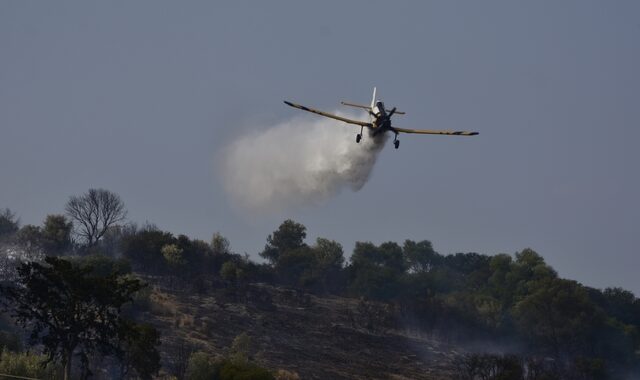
380, 120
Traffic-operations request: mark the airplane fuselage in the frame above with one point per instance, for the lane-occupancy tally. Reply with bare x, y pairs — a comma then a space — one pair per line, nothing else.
382, 120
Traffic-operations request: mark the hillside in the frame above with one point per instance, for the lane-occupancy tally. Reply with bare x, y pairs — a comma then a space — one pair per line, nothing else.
387, 311
316, 337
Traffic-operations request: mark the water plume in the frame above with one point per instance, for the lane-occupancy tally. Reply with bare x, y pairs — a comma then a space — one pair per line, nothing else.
300, 161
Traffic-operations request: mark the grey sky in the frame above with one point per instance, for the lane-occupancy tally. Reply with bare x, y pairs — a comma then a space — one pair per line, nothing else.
140, 97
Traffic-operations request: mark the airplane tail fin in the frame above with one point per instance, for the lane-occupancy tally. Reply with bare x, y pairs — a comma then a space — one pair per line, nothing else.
373, 99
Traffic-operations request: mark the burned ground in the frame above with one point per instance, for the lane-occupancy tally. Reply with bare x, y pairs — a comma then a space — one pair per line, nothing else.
316, 337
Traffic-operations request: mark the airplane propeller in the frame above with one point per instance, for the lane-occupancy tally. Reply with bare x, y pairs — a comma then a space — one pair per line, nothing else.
393, 110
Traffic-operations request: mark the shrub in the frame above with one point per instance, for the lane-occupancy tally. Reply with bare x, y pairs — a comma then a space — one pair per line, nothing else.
28, 365
201, 367
243, 371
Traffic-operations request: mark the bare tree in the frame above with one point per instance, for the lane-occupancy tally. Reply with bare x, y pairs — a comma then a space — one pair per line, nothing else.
95, 211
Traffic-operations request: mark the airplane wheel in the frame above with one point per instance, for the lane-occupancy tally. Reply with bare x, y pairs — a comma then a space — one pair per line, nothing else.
396, 143
358, 138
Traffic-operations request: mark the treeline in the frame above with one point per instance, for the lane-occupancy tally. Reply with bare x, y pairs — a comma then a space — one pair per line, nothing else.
512, 300
73, 309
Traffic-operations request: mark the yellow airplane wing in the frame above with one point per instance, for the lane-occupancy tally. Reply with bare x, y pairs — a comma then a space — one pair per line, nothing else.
428, 132
350, 121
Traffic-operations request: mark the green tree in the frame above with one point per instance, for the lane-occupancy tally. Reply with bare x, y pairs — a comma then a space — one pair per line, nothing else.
144, 249
52, 239
622, 305
420, 257
196, 255
102, 265
56, 234
501, 282
30, 242
138, 349
220, 244
9, 223
376, 271
318, 267
529, 271
237, 364
112, 241
329, 253
559, 317
467, 263
174, 256
329, 265
510, 280
201, 367
289, 236
239, 351
232, 270
464, 271
295, 267
67, 308
218, 252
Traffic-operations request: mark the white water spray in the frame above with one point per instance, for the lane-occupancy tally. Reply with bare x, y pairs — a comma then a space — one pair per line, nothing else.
298, 162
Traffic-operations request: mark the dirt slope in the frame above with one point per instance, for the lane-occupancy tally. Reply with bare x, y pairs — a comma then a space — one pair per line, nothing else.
317, 337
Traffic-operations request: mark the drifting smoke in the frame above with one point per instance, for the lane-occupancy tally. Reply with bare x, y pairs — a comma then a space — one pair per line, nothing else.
298, 162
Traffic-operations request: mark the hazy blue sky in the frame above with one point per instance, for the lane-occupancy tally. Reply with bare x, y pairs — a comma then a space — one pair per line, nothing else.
139, 97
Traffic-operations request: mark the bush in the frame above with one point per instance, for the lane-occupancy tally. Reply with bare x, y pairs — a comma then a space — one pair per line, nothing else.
102, 265
204, 367
9, 341
201, 367
243, 371
230, 271
28, 365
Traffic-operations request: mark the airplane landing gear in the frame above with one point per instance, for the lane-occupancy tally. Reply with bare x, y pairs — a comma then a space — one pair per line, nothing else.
396, 142
358, 137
